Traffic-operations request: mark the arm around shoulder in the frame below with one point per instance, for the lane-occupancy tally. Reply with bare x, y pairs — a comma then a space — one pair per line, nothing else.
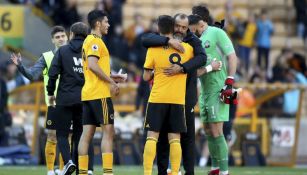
154, 40
199, 59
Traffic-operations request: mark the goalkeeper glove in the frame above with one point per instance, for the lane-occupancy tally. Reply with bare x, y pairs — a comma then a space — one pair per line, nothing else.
228, 94
232, 99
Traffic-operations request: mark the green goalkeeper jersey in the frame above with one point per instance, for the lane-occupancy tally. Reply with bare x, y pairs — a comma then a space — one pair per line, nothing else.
217, 45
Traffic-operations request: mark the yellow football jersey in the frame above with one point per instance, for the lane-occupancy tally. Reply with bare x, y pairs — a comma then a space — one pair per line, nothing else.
94, 87
167, 89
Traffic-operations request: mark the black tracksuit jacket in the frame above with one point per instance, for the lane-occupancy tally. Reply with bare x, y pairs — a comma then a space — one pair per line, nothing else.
67, 63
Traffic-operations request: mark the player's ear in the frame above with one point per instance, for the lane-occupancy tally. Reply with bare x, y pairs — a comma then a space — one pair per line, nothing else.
71, 35
98, 23
52, 40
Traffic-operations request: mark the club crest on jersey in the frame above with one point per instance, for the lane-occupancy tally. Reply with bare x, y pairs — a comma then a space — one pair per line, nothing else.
49, 122
207, 44
94, 47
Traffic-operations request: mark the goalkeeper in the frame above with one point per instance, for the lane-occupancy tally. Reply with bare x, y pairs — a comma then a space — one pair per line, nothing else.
216, 88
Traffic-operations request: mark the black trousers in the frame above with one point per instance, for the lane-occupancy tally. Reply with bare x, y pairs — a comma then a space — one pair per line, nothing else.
263, 56
69, 115
187, 145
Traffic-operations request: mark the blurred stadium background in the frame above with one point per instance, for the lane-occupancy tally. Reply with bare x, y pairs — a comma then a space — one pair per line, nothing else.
271, 119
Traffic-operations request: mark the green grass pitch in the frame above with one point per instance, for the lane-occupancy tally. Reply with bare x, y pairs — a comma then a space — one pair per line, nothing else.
137, 170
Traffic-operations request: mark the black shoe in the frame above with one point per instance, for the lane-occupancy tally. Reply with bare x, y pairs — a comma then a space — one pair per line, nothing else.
69, 168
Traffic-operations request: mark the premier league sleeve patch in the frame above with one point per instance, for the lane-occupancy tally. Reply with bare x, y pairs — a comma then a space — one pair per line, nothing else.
95, 47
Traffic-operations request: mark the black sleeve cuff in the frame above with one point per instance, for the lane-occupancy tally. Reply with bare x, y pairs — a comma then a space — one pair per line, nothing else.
184, 68
93, 56
51, 86
166, 41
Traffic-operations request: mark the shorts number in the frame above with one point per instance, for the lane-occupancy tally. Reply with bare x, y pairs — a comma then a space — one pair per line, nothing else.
212, 107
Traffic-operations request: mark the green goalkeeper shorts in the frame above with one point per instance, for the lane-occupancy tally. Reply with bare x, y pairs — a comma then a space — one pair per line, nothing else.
212, 109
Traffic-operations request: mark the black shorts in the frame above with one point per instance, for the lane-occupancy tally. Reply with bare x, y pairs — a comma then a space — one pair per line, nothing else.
69, 117
50, 122
170, 116
98, 112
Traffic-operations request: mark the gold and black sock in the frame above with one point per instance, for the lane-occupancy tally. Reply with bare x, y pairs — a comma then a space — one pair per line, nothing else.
107, 163
175, 155
149, 154
83, 164
50, 153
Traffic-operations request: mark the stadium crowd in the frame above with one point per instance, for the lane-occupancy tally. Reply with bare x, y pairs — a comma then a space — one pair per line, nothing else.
248, 34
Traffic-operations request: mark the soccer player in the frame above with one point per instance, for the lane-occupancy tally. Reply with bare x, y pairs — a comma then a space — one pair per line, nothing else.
182, 33
96, 93
67, 64
216, 89
187, 139
58, 38
167, 98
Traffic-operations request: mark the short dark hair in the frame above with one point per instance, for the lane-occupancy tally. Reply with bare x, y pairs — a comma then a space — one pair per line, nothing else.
94, 16
194, 19
56, 29
166, 24
79, 29
201, 11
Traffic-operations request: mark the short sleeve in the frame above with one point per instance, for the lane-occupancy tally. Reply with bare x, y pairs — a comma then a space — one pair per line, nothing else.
224, 42
94, 48
149, 60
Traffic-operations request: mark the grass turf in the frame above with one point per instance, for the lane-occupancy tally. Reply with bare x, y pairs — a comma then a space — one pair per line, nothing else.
137, 170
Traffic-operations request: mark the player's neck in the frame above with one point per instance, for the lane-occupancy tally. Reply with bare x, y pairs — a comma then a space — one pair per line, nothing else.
96, 32
205, 28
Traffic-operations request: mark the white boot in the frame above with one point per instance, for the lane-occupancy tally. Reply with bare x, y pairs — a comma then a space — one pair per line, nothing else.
50, 173
57, 171
203, 161
169, 172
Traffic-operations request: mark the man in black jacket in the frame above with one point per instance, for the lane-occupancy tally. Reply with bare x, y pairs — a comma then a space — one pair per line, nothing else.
68, 64
190, 67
